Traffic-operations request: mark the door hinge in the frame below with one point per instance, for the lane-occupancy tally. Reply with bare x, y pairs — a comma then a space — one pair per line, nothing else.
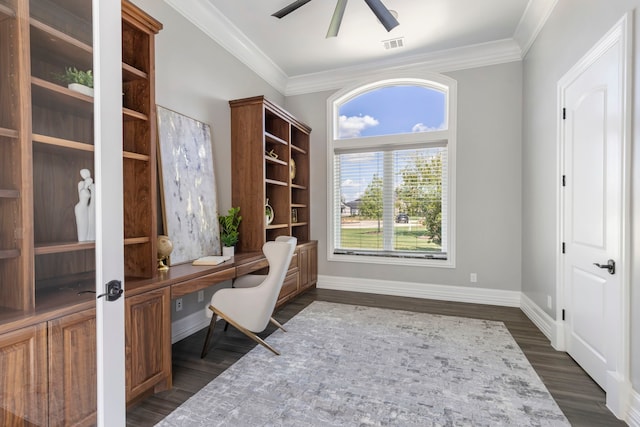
564, 114
563, 248
563, 314
564, 180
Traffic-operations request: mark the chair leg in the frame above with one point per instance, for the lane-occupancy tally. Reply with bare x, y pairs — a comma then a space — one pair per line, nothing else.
212, 325
244, 330
275, 322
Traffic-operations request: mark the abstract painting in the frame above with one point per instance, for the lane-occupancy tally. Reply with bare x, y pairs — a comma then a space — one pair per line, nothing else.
188, 186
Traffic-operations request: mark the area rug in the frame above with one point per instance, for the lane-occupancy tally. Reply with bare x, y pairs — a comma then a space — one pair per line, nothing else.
345, 365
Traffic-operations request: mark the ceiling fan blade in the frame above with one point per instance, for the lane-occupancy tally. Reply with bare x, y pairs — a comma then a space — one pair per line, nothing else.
383, 14
290, 8
336, 20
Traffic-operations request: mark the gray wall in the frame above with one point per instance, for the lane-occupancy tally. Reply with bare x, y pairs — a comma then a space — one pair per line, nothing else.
196, 77
488, 223
573, 28
506, 206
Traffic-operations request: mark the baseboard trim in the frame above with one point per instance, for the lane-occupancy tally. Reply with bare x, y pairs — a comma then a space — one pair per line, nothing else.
421, 290
540, 318
188, 325
633, 416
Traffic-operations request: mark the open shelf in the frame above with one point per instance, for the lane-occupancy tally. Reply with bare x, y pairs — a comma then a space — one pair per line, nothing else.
57, 38
276, 226
9, 253
298, 149
272, 138
136, 241
130, 114
136, 156
275, 182
9, 194
131, 73
57, 248
54, 96
274, 160
10, 133
61, 142
6, 12
71, 18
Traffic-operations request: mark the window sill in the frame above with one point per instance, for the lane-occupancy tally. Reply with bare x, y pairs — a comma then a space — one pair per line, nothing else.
396, 260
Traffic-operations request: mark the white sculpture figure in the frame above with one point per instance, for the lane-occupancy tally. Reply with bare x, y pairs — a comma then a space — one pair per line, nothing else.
85, 209
91, 213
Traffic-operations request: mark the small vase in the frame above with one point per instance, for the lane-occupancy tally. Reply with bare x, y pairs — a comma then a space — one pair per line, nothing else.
228, 250
268, 213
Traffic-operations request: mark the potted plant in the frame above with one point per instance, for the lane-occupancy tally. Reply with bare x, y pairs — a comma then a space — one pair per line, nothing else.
229, 234
78, 80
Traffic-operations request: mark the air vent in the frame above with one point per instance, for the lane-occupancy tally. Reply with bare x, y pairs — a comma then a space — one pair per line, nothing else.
393, 43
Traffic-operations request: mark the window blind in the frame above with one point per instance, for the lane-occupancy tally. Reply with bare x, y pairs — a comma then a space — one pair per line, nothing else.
391, 202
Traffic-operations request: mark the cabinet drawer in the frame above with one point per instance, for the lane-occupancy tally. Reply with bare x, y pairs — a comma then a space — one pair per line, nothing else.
181, 289
290, 284
250, 267
294, 261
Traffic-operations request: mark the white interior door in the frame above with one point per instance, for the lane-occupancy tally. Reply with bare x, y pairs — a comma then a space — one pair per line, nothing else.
593, 136
107, 57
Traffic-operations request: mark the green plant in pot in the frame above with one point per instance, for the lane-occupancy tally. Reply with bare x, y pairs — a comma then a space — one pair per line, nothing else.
77, 80
229, 234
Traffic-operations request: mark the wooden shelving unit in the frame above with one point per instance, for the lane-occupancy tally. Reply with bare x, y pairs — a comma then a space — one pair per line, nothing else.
46, 138
268, 143
270, 162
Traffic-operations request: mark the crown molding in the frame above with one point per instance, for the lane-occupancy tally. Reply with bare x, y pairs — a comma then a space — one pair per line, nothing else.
214, 24
466, 57
533, 19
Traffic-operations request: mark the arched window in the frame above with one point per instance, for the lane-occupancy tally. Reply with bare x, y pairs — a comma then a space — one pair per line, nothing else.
392, 157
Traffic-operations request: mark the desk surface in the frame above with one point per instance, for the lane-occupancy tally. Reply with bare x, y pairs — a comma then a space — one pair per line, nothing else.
183, 279
186, 278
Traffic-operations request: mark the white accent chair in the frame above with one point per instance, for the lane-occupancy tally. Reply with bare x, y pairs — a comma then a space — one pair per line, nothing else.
249, 308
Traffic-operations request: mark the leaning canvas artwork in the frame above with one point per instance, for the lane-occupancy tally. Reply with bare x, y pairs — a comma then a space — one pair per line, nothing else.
188, 186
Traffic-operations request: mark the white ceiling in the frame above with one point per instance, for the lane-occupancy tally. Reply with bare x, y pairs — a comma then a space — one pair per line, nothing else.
293, 54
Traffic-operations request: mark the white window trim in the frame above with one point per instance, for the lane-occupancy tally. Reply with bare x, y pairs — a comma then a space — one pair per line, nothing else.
435, 81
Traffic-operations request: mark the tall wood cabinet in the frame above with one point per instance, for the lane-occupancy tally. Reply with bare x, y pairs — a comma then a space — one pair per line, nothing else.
270, 166
47, 324
46, 138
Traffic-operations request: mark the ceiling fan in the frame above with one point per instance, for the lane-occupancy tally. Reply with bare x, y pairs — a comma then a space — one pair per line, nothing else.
382, 13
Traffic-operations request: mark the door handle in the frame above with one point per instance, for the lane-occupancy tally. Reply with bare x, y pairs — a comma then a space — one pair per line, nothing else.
610, 265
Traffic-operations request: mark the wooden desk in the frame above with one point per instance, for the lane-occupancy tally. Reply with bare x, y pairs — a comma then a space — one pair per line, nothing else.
186, 278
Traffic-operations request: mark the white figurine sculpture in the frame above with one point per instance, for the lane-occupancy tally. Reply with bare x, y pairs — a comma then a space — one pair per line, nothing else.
85, 210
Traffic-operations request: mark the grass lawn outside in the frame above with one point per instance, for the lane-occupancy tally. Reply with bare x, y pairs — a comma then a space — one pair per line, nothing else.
405, 239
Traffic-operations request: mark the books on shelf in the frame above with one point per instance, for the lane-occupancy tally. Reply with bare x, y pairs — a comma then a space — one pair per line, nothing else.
211, 260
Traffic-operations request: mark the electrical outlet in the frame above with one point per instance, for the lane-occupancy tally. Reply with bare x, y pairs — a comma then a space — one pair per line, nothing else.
179, 304
200, 296
473, 277
549, 302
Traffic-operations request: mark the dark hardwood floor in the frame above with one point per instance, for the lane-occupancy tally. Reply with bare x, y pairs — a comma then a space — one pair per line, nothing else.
579, 397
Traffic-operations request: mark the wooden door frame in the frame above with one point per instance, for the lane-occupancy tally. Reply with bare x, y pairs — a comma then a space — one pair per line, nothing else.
618, 392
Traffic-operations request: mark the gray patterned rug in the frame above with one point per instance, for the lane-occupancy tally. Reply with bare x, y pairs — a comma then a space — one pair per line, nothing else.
344, 365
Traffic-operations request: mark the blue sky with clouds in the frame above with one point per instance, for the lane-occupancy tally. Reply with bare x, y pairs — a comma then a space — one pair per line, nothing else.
384, 111
391, 110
